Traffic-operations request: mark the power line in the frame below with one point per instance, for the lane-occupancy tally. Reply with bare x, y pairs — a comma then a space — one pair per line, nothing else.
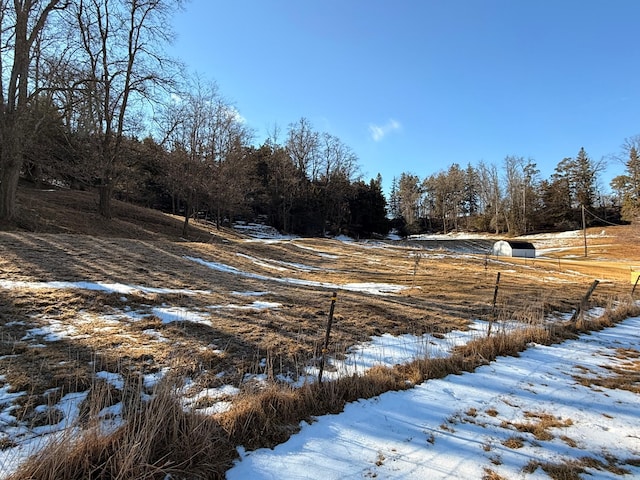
602, 219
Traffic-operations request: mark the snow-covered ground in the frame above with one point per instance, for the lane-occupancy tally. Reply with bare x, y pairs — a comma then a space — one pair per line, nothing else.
464, 426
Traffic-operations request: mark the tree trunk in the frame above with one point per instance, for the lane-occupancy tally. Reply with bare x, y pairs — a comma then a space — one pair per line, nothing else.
104, 206
10, 165
8, 188
185, 225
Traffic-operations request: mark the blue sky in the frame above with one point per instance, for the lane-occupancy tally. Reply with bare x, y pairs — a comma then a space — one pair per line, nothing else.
416, 85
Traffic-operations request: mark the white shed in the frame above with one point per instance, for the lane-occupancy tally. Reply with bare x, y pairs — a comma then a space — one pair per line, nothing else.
510, 248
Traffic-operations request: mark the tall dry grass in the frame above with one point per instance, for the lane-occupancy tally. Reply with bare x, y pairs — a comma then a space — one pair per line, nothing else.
160, 440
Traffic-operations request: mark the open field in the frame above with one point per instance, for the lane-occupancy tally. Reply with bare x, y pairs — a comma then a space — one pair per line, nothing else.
82, 298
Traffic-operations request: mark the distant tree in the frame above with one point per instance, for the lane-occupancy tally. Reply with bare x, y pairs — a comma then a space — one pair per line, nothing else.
490, 197
326, 168
394, 200
521, 199
456, 188
633, 172
557, 201
531, 201
630, 152
230, 173
471, 195
187, 123
627, 186
368, 212
279, 185
445, 192
232, 178
581, 173
45, 157
584, 179
336, 169
143, 184
564, 170
409, 199
303, 144
303, 147
620, 188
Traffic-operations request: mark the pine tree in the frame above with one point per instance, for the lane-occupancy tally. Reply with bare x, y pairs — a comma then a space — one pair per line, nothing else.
584, 179
628, 186
633, 171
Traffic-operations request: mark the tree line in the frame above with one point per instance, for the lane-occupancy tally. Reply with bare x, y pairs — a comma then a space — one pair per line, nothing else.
81, 80
90, 100
514, 198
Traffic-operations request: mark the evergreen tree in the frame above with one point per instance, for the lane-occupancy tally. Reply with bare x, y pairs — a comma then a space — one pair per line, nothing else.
584, 179
471, 200
556, 203
581, 175
368, 208
627, 186
394, 200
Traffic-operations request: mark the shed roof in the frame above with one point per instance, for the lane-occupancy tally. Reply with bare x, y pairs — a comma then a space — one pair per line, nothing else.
521, 245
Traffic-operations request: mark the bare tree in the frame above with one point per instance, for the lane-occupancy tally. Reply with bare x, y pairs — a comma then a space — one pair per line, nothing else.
22, 23
410, 192
230, 172
211, 136
336, 170
122, 61
303, 145
490, 196
187, 124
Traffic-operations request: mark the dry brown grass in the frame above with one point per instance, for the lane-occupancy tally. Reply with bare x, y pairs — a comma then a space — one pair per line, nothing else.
574, 469
625, 375
262, 417
158, 440
68, 242
570, 470
540, 424
491, 475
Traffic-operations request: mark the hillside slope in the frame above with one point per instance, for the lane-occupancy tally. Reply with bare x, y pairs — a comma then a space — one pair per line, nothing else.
76, 212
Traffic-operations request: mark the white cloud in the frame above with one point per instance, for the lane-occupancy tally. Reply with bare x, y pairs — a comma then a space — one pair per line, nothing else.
233, 113
378, 132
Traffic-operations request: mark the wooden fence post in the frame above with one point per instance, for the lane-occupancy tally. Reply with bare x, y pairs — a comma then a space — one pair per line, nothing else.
416, 264
493, 312
325, 348
583, 303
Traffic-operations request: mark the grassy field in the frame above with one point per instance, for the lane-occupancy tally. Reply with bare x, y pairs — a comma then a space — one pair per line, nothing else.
80, 294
